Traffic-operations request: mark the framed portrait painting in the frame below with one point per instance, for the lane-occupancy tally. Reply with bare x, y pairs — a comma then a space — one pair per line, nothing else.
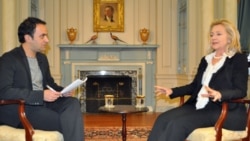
108, 15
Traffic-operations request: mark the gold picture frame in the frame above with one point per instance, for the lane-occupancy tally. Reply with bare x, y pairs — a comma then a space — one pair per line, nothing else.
114, 9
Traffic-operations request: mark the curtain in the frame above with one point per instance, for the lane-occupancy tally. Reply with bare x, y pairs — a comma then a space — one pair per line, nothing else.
244, 24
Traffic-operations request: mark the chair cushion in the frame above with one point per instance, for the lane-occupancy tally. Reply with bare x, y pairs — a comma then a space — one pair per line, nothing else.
8, 133
208, 134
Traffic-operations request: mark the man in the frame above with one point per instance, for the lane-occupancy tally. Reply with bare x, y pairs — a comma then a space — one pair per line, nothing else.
108, 14
24, 74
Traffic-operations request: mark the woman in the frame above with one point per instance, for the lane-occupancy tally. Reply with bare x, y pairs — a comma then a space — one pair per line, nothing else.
221, 76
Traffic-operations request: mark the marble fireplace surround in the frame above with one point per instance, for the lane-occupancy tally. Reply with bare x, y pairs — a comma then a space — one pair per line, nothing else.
78, 60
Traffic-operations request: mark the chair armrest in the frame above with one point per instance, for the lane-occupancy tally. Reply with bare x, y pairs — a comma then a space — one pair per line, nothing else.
222, 117
182, 100
220, 121
29, 131
247, 103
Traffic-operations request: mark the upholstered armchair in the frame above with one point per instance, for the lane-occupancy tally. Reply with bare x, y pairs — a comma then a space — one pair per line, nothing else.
217, 133
8, 133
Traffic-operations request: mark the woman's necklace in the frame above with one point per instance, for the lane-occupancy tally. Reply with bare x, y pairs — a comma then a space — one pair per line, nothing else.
217, 57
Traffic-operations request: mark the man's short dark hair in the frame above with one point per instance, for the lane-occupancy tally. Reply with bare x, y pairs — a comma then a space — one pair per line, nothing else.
27, 27
111, 8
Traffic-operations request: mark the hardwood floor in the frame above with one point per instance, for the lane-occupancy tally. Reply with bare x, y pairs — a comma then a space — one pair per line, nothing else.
108, 126
109, 119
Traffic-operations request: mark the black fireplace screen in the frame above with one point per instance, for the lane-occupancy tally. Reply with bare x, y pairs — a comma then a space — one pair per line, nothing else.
98, 86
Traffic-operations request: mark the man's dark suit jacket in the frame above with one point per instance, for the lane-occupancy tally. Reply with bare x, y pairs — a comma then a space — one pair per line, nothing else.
16, 83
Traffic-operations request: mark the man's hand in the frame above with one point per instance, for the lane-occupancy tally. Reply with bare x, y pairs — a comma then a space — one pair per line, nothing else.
71, 93
51, 96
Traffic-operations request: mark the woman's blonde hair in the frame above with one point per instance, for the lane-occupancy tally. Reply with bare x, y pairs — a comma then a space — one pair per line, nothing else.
233, 35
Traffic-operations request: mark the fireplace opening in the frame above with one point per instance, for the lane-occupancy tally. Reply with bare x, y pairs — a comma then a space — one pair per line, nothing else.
98, 86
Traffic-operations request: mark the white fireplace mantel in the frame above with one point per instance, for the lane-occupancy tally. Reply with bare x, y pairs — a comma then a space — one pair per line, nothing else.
76, 57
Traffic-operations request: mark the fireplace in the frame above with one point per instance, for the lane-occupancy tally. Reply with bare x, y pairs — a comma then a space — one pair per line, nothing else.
98, 86
124, 85
120, 70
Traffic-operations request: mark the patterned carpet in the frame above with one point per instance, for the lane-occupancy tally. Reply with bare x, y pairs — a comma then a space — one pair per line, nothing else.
114, 133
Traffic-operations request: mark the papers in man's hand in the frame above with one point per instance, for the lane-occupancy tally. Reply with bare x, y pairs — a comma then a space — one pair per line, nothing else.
73, 85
